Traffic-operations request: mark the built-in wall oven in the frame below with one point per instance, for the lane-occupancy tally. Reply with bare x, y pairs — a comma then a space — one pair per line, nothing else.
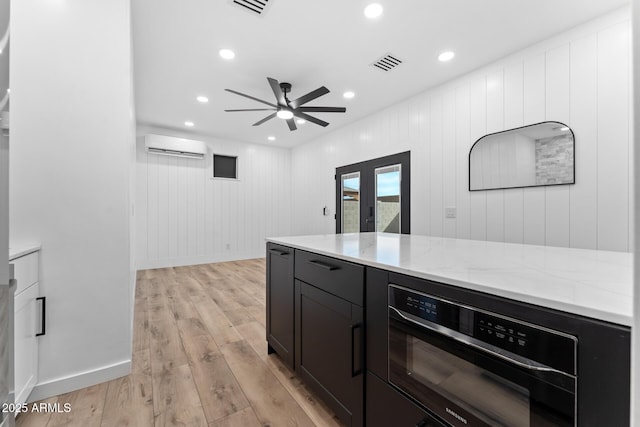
472, 367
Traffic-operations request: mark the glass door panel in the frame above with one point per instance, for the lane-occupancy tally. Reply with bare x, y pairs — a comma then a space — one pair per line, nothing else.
374, 196
387, 180
350, 208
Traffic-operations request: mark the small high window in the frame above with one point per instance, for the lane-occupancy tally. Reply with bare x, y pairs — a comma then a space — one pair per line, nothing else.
225, 166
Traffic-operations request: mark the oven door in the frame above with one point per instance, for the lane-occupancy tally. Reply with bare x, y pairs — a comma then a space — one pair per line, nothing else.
467, 386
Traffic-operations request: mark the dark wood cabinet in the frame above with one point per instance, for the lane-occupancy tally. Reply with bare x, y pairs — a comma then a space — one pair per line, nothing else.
330, 350
280, 302
376, 320
323, 324
340, 278
315, 322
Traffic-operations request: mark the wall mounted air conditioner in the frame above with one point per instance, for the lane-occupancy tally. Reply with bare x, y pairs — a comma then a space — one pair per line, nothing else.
171, 146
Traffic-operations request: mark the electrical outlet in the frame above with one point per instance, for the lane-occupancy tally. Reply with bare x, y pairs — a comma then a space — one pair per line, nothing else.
450, 212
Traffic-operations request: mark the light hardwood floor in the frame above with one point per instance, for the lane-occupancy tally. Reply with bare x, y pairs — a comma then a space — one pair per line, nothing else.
199, 359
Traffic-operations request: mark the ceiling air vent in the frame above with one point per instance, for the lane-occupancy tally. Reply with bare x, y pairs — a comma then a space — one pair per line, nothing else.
256, 7
387, 63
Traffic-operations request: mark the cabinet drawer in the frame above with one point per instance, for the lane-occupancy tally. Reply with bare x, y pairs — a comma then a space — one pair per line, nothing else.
386, 406
340, 278
25, 271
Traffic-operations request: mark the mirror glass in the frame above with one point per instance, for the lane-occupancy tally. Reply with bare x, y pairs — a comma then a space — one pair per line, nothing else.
530, 156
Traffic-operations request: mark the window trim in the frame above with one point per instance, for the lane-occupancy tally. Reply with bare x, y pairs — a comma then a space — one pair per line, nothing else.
225, 178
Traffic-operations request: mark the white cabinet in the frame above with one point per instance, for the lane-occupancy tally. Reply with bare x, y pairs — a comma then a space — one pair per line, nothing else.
28, 323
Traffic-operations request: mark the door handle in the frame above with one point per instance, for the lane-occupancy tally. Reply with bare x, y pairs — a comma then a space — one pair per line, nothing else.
43, 316
356, 350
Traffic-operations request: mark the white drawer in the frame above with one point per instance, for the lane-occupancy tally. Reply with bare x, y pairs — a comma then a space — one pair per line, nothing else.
25, 271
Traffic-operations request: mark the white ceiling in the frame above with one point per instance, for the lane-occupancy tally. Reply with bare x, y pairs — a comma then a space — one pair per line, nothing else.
320, 43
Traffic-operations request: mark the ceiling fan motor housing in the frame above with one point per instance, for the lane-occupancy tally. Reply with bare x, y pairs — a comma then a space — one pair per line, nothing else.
286, 87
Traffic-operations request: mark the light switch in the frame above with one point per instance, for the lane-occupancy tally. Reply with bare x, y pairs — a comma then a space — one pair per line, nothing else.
450, 212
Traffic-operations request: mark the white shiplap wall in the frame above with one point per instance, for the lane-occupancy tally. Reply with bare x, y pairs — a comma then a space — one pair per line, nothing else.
185, 217
581, 77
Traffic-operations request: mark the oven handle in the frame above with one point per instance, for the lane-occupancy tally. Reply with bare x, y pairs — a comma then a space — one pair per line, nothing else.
478, 345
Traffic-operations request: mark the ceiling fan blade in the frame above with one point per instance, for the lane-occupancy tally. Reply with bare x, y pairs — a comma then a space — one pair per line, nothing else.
323, 109
252, 109
277, 91
251, 97
309, 97
269, 117
311, 119
292, 124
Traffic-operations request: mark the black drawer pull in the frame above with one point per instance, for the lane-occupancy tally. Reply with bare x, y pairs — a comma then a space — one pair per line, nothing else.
43, 316
278, 252
323, 265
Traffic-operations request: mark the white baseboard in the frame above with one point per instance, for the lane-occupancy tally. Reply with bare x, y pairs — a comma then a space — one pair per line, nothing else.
80, 380
146, 264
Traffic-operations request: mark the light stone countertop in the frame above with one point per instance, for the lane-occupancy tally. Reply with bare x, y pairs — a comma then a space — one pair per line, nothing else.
595, 284
17, 250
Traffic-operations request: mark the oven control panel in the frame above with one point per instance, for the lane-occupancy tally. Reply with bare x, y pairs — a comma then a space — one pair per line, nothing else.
533, 342
509, 335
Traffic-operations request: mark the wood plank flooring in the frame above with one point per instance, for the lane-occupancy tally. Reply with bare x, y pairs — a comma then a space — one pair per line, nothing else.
199, 359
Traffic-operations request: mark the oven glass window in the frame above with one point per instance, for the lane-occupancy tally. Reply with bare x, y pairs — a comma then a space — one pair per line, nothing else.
496, 401
467, 388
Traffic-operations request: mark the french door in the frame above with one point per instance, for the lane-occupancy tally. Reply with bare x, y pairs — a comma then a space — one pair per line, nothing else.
374, 195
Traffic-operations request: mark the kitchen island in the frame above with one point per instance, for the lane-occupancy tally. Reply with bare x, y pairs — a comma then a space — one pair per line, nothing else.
328, 315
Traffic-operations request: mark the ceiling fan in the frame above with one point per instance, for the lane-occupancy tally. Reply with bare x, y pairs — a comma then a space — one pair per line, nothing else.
287, 110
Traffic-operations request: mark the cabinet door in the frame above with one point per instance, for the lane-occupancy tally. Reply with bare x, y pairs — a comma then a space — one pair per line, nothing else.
280, 301
329, 350
26, 344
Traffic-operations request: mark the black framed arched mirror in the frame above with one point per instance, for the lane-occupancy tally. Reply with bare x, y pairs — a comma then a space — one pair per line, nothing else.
528, 156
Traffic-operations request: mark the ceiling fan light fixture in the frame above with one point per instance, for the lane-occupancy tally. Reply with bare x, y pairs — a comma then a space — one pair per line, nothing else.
271, 138
348, 95
202, 99
284, 114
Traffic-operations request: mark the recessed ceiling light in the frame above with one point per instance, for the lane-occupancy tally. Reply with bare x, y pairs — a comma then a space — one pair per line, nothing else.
372, 11
301, 121
227, 54
284, 114
348, 94
271, 138
188, 124
446, 56
202, 99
